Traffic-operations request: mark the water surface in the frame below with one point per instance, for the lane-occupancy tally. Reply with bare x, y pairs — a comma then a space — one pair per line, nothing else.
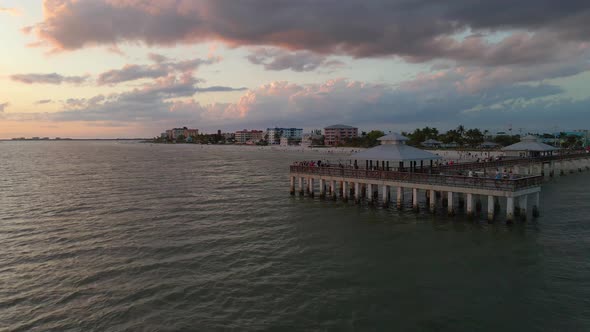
128, 236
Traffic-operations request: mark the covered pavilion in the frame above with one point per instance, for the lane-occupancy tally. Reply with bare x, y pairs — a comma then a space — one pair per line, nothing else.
393, 149
431, 143
529, 146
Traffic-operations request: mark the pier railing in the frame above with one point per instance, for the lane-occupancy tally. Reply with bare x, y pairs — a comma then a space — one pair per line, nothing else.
423, 178
508, 162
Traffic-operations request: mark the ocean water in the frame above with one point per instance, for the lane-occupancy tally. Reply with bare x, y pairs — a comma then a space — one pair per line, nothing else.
123, 236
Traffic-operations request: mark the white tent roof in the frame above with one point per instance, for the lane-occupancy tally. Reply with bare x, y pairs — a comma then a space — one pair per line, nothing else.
393, 148
431, 141
530, 143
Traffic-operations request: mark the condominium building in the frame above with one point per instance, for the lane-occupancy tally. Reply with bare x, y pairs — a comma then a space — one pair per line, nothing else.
336, 134
275, 134
174, 133
246, 136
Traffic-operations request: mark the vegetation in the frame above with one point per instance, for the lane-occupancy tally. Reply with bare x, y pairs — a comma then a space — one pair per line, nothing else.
365, 140
460, 136
199, 139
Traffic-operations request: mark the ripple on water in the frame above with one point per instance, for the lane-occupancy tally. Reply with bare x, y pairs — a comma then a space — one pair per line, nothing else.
126, 237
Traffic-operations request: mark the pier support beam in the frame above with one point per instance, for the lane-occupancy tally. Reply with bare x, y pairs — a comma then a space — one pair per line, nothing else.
333, 192
491, 208
432, 201
523, 200
386, 195
400, 197
292, 186
370, 195
450, 204
469, 198
301, 188
345, 191
357, 192
322, 188
536, 205
415, 199
310, 189
509, 209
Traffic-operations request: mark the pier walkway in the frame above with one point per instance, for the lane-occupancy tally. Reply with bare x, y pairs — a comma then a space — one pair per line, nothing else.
512, 179
349, 183
547, 165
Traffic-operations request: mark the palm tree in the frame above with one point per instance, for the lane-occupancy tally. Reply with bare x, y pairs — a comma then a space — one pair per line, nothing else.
461, 130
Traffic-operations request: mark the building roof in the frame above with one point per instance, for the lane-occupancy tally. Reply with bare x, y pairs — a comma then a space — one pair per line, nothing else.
393, 148
340, 126
530, 143
431, 141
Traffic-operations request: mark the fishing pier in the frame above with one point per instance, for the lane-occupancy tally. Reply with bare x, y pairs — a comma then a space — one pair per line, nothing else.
417, 173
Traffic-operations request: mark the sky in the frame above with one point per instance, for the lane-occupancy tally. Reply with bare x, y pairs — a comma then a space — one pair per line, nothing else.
132, 68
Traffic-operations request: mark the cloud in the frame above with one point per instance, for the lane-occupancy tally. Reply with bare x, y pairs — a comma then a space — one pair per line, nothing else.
217, 88
162, 68
437, 99
52, 78
131, 73
10, 11
158, 58
533, 30
3, 106
152, 102
43, 101
300, 61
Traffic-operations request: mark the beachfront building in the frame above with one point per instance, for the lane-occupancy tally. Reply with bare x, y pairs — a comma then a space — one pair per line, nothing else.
274, 135
529, 146
336, 134
175, 133
249, 136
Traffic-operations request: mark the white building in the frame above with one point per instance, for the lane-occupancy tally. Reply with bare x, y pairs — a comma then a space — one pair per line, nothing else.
275, 134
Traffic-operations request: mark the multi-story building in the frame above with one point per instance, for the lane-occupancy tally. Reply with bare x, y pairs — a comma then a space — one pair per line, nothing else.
174, 133
275, 134
333, 135
249, 136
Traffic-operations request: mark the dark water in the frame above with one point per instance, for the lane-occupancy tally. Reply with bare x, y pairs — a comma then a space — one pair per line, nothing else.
134, 237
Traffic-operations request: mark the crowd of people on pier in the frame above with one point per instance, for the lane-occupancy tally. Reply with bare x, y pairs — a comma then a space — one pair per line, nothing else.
499, 174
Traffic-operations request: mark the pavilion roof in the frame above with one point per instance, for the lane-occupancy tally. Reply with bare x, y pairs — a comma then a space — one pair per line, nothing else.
530, 143
393, 148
